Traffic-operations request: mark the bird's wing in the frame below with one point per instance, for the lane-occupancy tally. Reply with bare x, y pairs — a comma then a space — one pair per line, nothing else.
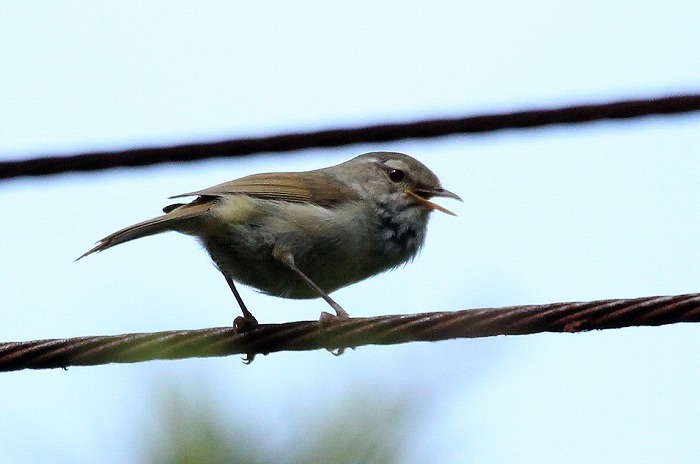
300, 187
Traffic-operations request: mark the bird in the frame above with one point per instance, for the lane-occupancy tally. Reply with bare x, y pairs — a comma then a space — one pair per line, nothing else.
305, 234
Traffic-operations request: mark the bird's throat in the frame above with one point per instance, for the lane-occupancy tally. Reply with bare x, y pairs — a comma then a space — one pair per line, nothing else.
401, 229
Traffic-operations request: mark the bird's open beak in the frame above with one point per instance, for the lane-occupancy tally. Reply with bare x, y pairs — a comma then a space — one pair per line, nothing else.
423, 198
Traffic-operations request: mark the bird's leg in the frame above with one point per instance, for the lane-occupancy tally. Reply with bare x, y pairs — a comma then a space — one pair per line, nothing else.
248, 321
287, 259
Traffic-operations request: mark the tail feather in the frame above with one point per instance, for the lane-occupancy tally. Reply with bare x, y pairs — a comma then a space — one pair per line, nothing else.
175, 219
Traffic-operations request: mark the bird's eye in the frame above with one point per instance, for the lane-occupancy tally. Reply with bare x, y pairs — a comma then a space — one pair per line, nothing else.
396, 175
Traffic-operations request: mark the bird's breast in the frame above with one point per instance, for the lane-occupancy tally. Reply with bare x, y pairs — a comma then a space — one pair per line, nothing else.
334, 246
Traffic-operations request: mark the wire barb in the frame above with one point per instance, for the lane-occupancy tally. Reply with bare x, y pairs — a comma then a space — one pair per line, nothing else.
622, 109
353, 332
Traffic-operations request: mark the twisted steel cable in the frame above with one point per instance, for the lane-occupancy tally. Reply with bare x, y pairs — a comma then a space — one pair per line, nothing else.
353, 332
339, 137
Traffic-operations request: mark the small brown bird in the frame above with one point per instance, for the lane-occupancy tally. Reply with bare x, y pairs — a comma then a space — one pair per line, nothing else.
306, 234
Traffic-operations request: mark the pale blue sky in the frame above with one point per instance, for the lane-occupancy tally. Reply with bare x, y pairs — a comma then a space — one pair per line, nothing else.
595, 211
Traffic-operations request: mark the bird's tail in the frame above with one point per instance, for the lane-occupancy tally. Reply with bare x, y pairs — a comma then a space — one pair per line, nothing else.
177, 217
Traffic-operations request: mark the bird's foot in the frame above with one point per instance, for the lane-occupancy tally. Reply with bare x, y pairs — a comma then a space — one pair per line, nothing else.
244, 324
327, 320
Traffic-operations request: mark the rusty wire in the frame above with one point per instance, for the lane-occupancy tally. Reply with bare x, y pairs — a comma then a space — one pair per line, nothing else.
354, 332
95, 161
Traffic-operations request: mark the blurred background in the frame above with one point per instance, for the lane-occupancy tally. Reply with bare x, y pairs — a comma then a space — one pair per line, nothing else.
593, 211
